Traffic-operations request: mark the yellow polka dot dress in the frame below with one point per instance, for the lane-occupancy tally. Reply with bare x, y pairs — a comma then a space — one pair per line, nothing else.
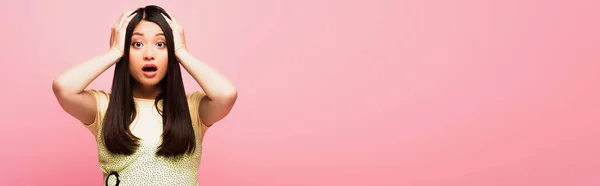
144, 167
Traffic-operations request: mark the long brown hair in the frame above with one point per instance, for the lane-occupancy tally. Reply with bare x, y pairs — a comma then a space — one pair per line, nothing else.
178, 134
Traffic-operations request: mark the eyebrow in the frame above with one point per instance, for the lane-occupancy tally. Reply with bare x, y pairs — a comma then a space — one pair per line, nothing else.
140, 34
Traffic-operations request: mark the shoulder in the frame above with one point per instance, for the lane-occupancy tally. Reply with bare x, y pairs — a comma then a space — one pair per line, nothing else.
99, 95
194, 99
195, 96
101, 98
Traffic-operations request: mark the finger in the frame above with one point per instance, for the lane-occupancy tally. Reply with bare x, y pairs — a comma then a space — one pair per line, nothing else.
174, 19
123, 19
112, 33
117, 23
167, 18
177, 26
172, 16
126, 22
171, 24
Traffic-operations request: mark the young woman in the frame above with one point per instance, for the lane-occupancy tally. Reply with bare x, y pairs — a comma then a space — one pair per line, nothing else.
148, 130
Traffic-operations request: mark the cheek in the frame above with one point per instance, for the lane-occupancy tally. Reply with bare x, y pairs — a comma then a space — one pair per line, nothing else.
162, 61
163, 65
134, 59
135, 55
133, 65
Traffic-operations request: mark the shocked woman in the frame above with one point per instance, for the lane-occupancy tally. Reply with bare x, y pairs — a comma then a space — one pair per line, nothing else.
148, 130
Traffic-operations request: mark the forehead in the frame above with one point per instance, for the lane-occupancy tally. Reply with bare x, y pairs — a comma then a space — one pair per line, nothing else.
147, 28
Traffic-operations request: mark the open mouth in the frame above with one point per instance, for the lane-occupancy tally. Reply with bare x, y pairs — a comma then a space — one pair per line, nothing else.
149, 68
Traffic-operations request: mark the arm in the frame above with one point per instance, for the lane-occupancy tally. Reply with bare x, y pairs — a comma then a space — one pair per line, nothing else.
69, 86
220, 92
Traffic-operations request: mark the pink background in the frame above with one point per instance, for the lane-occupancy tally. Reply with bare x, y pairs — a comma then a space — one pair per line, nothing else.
406, 92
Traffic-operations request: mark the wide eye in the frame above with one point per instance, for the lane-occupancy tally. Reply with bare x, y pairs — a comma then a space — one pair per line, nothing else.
161, 44
137, 44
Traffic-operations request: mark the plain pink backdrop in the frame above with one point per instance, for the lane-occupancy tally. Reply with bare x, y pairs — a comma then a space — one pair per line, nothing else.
385, 93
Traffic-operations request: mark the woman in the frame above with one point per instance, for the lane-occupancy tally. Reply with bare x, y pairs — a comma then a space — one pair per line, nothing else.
148, 130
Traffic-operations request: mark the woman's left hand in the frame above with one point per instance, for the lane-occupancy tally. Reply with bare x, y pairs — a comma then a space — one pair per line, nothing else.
178, 36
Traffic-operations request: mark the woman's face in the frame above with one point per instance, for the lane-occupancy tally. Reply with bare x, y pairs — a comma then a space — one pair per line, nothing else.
148, 57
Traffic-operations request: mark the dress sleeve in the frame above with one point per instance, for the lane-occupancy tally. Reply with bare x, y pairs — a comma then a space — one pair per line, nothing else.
102, 100
194, 100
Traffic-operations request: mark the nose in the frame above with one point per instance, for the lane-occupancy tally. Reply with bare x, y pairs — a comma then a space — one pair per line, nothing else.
148, 54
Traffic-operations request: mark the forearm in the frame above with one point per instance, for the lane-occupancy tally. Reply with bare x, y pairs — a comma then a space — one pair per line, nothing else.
75, 79
213, 83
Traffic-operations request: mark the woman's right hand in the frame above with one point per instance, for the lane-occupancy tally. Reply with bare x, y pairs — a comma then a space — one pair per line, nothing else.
118, 29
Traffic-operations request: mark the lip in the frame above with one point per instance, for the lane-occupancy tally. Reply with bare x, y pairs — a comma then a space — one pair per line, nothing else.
149, 74
149, 65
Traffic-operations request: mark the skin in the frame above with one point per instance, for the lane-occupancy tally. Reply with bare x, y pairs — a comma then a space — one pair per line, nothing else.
148, 45
69, 87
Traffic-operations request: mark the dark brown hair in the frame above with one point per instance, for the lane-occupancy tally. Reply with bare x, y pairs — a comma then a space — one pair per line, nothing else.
178, 135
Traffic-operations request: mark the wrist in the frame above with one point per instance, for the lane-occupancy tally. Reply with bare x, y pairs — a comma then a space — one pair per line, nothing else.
181, 52
114, 53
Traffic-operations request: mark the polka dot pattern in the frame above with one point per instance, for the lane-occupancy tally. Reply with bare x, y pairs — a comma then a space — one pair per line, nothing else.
144, 167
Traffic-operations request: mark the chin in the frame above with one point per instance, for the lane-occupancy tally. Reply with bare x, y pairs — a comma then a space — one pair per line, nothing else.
148, 82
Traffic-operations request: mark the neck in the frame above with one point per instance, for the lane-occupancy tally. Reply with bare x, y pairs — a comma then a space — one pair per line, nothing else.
145, 92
